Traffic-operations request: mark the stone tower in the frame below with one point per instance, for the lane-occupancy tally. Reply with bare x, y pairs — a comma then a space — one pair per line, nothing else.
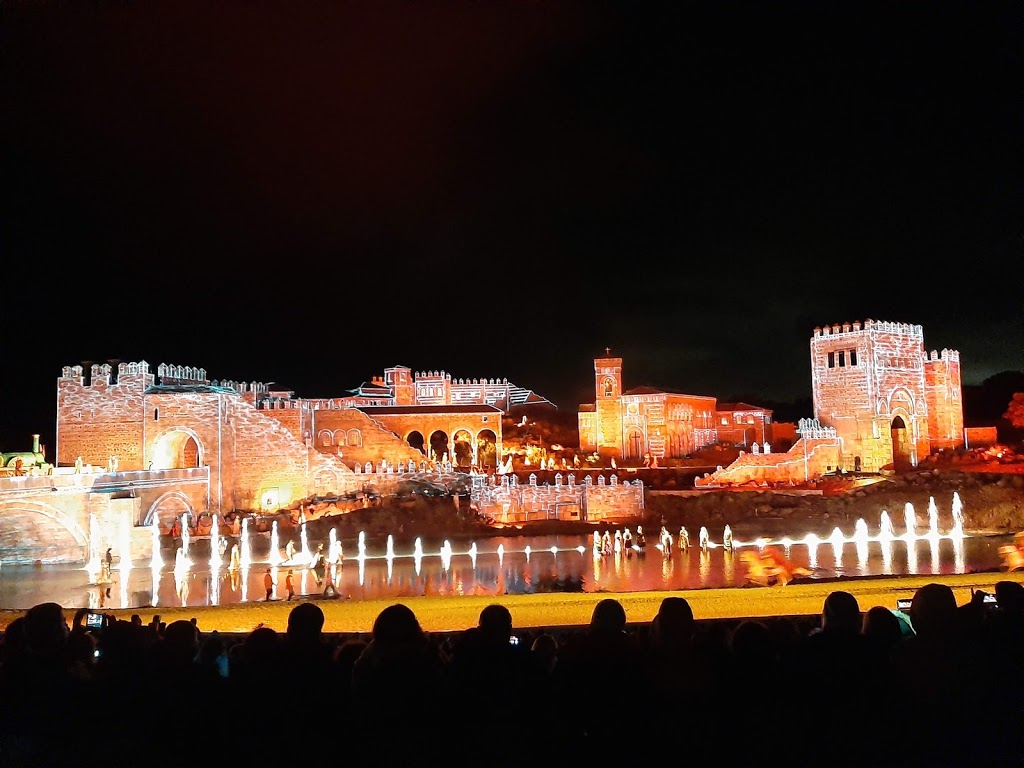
889, 404
608, 403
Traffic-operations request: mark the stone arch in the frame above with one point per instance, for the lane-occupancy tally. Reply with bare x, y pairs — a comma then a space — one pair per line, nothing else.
354, 438
42, 532
462, 445
439, 444
902, 398
176, 448
416, 440
487, 448
167, 507
902, 442
325, 438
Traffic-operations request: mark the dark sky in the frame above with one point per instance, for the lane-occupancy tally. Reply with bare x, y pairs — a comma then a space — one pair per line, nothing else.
308, 192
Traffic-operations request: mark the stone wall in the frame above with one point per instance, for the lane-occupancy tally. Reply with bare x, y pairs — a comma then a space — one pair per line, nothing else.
101, 419
271, 467
817, 453
356, 439
508, 501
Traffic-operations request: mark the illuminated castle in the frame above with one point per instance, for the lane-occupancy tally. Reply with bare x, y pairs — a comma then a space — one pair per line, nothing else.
889, 401
879, 399
262, 446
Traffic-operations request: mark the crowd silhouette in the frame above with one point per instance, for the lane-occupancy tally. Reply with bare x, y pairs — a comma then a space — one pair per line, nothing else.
941, 685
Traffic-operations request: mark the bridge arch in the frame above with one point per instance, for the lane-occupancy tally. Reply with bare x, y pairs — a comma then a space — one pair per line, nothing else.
33, 531
166, 508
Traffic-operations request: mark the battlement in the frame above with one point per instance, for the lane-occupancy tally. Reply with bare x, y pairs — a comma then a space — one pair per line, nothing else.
811, 429
101, 372
877, 326
181, 374
486, 382
242, 387
432, 375
165, 374
947, 355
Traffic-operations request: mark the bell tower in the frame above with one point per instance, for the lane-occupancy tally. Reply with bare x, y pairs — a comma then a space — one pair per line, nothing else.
608, 403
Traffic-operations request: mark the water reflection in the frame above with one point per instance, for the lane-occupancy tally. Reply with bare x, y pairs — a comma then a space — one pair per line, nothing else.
496, 566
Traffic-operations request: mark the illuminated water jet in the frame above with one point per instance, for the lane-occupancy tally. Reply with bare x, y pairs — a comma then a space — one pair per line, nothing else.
155, 560
275, 546
245, 556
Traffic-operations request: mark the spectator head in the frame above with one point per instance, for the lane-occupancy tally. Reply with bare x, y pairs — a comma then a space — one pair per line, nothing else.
545, 644
397, 624
674, 621
181, 639
752, 645
14, 640
211, 647
345, 655
1010, 596
608, 616
933, 610
46, 629
305, 622
261, 646
881, 626
841, 613
495, 623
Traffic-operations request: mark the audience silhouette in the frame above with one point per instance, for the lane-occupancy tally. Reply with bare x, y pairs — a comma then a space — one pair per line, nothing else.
849, 687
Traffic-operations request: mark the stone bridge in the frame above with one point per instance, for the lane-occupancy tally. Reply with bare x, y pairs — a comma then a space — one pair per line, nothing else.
62, 518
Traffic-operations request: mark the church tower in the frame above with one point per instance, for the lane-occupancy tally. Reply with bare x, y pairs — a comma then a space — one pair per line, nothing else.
608, 403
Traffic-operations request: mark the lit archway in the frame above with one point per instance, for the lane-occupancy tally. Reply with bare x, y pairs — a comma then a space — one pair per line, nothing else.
462, 449
902, 444
486, 449
417, 441
178, 448
439, 445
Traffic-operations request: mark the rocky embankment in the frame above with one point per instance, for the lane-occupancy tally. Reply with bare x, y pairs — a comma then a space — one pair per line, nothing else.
991, 503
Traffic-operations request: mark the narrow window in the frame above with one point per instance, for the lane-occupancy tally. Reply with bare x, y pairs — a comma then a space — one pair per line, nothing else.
853, 357
831, 359
842, 359
156, 414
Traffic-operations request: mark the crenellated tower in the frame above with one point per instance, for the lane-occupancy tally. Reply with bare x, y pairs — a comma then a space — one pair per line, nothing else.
945, 406
874, 384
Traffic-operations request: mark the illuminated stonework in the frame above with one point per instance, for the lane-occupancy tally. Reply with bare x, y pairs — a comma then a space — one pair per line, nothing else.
647, 422
889, 401
264, 447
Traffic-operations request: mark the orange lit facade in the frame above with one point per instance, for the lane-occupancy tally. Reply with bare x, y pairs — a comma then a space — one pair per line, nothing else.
263, 447
889, 401
647, 422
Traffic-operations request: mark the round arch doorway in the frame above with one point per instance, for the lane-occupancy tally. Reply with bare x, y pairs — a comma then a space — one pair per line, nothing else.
902, 444
176, 449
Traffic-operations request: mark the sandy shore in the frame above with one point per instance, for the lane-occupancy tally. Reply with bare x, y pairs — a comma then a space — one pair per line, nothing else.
446, 614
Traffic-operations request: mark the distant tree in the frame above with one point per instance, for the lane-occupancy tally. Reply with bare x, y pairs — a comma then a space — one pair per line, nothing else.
1015, 413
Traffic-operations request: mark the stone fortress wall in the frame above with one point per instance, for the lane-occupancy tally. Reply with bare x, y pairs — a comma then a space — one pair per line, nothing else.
879, 399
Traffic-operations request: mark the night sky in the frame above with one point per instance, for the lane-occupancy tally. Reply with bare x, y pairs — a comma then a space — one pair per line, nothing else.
309, 192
